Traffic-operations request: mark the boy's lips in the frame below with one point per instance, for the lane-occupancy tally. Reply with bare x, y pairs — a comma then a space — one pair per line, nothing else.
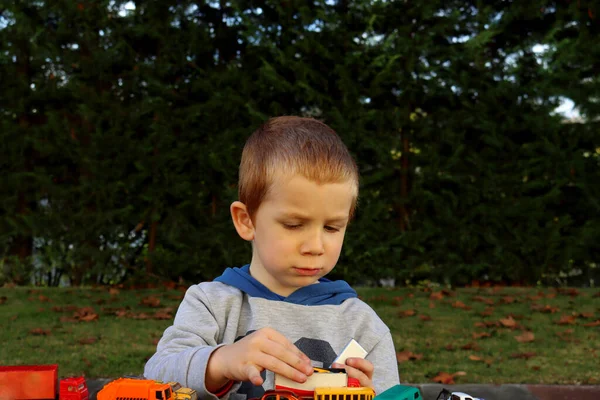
307, 271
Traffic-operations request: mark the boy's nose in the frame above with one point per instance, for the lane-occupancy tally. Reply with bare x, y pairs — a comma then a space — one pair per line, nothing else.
313, 244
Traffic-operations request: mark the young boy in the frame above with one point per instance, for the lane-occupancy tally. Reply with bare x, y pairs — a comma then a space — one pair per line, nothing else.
298, 188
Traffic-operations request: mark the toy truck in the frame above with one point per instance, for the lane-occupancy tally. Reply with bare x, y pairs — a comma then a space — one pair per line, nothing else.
130, 388
323, 384
400, 392
39, 382
182, 393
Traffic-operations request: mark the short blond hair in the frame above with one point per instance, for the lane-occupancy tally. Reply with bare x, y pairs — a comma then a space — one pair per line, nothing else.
293, 145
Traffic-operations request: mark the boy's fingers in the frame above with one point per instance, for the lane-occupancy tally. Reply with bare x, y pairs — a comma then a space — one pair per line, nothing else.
279, 338
281, 367
289, 356
365, 366
254, 375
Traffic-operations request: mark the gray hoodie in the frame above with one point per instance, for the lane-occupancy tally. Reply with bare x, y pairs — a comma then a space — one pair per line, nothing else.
213, 314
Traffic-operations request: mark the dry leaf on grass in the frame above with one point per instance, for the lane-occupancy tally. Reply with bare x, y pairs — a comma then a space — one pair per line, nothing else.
484, 300
471, 346
508, 322
85, 314
403, 356
592, 324
88, 340
480, 335
461, 305
40, 332
406, 313
567, 320
447, 379
525, 337
151, 301
545, 309
525, 356
436, 296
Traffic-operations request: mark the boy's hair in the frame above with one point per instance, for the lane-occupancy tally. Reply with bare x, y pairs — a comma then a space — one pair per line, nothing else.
293, 145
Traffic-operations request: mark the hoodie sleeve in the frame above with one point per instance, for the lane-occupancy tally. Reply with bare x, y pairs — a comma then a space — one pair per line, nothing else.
383, 357
183, 351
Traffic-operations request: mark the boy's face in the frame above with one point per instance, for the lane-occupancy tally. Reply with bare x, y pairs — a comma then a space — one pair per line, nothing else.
298, 232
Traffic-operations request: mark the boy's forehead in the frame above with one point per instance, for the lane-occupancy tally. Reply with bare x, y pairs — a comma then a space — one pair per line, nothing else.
300, 196
280, 183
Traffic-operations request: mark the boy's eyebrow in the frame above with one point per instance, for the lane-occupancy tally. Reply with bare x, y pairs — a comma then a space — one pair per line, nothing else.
301, 217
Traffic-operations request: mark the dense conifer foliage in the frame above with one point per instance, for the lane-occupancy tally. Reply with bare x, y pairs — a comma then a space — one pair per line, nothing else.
122, 123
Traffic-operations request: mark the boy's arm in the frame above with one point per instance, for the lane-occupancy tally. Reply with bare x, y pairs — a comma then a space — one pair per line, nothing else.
184, 350
383, 357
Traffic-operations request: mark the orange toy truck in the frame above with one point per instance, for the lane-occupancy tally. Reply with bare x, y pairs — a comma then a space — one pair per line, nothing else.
131, 388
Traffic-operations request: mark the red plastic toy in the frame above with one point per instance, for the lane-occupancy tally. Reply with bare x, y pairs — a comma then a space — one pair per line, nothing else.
39, 382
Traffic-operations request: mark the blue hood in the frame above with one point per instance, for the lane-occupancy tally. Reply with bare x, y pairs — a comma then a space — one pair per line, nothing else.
325, 292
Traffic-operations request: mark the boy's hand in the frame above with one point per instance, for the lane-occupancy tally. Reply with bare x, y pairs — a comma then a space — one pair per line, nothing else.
245, 359
360, 369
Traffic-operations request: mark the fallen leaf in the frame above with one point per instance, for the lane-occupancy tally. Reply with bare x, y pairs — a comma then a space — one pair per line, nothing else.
113, 291
444, 378
567, 320
545, 309
508, 322
473, 357
460, 304
447, 379
507, 300
479, 335
140, 316
525, 356
40, 332
406, 313
525, 337
163, 314
471, 346
568, 291
436, 296
487, 312
85, 314
403, 356
592, 324
3, 299
88, 340
484, 300
424, 317
151, 301
565, 335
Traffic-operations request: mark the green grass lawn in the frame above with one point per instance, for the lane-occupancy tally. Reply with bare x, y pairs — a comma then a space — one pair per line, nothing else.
479, 335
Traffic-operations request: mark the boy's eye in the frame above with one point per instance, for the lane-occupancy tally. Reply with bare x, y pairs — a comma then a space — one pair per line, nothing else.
291, 226
331, 229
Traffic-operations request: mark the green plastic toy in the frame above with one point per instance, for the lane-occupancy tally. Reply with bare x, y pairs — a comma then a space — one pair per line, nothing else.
400, 392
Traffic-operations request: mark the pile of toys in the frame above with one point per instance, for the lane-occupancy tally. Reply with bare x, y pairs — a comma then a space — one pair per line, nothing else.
39, 382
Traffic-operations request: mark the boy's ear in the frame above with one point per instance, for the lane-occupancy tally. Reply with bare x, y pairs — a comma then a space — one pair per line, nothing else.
241, 220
